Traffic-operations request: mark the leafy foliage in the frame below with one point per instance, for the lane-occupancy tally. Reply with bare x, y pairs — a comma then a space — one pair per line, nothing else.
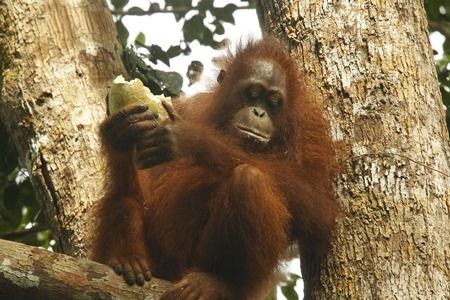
438, 12
195, 28
159, 82
20, 214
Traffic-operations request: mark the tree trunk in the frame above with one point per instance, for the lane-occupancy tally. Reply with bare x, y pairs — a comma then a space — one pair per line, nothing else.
56, 59
31, 273
373, 65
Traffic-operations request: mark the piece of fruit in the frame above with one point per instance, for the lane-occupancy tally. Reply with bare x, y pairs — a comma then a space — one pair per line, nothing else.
123, 93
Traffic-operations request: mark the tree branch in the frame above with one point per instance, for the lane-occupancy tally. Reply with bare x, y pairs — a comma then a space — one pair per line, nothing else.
18, 234
157, 9
150, 11
31, 273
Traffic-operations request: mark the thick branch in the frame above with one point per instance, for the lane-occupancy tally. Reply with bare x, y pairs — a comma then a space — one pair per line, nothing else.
31, 273
18, 234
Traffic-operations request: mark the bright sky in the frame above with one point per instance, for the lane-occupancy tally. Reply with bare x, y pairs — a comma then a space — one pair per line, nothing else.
162, 29
437, 40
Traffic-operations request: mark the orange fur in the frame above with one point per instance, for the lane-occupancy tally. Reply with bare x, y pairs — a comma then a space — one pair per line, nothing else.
220, 209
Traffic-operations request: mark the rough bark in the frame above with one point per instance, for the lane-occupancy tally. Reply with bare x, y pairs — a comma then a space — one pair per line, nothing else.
56, 59
32, 273
373, 65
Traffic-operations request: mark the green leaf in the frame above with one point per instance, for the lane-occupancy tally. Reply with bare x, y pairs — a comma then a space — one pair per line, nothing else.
179, 4
289, 292
288, 287
187, 50
195, 29
123, 33
224, 13
205, 5
219, 27
446, 47
174, 51
119, 4
175, 3
140, 39
136, 11
159, 54
172, 81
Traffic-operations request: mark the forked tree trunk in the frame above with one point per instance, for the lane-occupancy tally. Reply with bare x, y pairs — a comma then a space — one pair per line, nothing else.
56, 59
373, 65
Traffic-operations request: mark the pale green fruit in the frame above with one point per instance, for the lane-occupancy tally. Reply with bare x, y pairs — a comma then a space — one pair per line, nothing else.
123, 93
